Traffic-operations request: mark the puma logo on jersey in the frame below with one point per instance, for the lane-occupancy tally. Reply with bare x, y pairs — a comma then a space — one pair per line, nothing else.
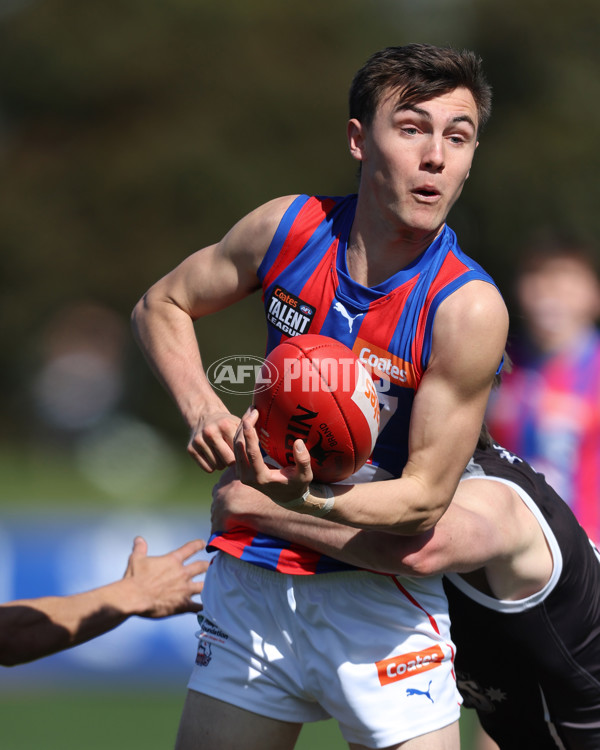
344, 313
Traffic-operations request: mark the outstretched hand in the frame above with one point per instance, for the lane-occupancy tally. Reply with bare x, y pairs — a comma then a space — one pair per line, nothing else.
164, 584
281, 485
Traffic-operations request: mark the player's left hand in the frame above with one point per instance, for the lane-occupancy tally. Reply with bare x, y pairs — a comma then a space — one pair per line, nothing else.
281, 485
165, 585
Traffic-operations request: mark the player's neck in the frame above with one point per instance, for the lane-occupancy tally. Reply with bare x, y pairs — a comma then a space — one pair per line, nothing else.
373, 257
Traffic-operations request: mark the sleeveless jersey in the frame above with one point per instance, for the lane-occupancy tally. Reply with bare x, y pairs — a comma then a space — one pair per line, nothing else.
519, 660
548, 412
307, 289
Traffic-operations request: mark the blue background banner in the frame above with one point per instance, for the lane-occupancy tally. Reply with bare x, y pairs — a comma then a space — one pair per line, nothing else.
57, 555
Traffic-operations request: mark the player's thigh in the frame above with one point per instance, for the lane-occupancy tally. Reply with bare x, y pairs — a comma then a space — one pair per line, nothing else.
446, 738
207, 723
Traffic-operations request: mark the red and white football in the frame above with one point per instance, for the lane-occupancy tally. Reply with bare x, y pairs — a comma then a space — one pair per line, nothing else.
322, 393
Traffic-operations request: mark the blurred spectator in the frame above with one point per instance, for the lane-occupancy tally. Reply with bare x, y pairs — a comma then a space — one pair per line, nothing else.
81, 379
548, 408
79, 393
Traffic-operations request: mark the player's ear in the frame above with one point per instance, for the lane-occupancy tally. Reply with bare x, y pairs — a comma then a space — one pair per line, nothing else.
356, 139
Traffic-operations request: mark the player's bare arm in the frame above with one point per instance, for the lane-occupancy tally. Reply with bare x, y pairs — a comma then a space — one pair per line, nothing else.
151, 587
487, 530
163, 324
468, 341
469, 337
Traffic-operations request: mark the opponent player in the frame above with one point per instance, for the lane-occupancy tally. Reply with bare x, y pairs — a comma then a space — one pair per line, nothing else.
524, 594
151, 587
381, 272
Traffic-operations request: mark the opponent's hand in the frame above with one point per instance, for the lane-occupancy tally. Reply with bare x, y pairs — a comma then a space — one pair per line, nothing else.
281, 485
211, 440
164, 585
233, 502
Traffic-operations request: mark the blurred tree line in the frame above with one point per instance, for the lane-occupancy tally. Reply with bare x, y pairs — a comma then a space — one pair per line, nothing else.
132, 133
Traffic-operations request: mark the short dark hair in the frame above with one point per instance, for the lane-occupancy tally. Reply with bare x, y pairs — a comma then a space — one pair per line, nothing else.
418, 72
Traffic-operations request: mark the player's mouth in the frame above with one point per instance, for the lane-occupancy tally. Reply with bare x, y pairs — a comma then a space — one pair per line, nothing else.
426, 193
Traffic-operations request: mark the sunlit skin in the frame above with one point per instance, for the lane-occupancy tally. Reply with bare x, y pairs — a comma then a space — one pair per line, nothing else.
415, 159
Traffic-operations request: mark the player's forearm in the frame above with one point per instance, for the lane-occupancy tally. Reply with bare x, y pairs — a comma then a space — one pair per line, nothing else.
373, 550
321, 535
33, 628
402, 506
166, 336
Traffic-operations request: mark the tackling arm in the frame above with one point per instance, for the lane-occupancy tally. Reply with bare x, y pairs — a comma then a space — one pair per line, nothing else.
466, 538
487, 527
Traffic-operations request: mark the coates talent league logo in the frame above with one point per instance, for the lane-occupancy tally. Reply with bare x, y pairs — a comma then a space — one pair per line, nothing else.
241, 374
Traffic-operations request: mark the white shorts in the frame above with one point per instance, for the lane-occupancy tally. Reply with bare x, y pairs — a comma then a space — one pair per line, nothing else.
372, 651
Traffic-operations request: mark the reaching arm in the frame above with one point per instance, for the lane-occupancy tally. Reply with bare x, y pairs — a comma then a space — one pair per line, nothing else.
151, 587
487, 526
441, 549
163, 324
448, 410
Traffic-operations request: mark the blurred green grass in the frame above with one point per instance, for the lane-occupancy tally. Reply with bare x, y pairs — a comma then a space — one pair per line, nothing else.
48, 476
133, 720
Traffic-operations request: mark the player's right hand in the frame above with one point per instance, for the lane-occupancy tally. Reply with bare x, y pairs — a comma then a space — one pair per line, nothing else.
281, 485
211, 441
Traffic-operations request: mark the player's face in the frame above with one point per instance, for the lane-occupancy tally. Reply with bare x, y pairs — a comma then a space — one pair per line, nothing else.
415, 158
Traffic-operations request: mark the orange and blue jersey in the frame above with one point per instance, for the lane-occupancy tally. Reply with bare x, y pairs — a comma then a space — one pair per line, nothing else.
307, 289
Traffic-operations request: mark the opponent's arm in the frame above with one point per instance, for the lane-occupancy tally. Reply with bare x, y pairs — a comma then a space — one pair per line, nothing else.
468, 341
487, 526
461, 541
163, 324
151, 587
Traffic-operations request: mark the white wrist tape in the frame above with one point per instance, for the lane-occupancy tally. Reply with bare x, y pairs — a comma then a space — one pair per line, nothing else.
329, 502
296, 503
323, 489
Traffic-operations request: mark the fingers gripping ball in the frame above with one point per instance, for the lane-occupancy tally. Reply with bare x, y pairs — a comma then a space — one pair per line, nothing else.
323, 394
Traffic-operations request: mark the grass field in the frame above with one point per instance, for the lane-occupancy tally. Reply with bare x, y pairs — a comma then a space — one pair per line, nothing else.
135, 720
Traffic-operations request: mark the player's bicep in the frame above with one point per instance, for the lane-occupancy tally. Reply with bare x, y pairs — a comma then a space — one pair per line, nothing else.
471, 533
225, 272
468, 340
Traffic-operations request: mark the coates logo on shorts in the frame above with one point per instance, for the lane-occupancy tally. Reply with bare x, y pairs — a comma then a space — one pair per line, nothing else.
409, 665
241, 374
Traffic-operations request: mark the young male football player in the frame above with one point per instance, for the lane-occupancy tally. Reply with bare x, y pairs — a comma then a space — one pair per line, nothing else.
379, 271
